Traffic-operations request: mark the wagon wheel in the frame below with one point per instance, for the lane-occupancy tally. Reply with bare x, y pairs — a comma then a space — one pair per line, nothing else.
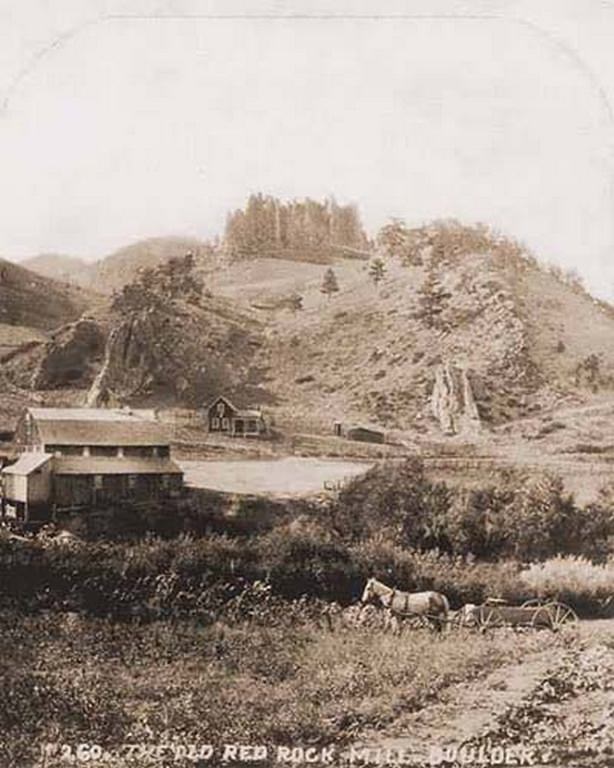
561, 614
488, 619
542, 617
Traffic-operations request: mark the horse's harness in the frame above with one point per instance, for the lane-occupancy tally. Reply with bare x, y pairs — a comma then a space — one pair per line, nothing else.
406, 610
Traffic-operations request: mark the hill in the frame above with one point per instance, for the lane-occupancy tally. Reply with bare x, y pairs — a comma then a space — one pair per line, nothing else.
122, 267
445, 298
529, 339
68, 269
31, 300
119, 268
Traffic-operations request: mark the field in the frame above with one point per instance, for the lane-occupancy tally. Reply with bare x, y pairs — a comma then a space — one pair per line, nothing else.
285, 682
290, 476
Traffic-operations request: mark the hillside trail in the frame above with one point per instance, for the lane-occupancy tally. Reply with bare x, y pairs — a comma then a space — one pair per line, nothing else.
470, 708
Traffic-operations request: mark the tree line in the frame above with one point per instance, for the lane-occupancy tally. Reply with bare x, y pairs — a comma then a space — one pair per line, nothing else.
269, 225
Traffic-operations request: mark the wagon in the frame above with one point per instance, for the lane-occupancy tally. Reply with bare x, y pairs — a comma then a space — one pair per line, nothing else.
533, 614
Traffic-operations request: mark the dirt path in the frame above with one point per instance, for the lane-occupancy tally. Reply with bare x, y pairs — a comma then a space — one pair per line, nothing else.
472, 709
467, 710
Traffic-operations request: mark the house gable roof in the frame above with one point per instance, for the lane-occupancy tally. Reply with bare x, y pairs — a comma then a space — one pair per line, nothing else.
245, 413
216, 400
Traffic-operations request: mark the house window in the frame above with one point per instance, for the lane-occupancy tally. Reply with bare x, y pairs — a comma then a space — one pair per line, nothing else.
252, 426
215, 423
225, 423
98, 482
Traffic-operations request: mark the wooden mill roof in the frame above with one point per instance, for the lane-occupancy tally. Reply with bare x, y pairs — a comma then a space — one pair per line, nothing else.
97, 426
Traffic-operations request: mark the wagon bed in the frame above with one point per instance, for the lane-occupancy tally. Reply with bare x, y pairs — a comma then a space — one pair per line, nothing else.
549, 615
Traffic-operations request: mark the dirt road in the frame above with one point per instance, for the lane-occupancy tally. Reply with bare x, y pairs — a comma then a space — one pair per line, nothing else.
554, 708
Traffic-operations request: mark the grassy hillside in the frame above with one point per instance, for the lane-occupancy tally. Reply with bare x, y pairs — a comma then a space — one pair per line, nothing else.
31, 300
531, 341
119, 268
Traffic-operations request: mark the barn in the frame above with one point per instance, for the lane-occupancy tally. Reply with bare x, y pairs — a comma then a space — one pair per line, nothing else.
80, 458
223, 417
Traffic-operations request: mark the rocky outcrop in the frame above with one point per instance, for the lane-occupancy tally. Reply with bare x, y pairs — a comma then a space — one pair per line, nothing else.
139, 353
101, 394
179, 352
68, 358
452, 401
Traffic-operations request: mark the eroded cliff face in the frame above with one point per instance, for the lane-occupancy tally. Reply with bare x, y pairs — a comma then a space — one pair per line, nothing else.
186, 353
452, 401
69, 358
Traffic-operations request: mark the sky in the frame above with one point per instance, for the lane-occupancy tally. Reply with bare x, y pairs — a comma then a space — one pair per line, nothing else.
126, 120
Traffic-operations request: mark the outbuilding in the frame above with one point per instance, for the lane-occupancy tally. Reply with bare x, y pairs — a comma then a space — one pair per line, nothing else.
26, 486
362, 433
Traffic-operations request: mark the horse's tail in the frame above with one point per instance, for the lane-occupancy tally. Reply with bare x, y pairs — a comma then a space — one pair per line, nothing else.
445, 605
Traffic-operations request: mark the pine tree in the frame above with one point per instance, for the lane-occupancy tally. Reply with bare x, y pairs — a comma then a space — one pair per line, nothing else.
432, 300
377, 270
329, 283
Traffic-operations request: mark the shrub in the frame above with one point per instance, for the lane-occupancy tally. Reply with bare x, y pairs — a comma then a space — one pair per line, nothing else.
527, 516
395, 498
586, 586
306, 562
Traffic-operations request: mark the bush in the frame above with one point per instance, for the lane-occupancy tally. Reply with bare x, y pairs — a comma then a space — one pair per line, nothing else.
305, 562
528, 516
397, 499
588, 587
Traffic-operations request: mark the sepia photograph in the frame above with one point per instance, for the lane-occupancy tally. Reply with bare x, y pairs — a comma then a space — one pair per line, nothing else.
306, 383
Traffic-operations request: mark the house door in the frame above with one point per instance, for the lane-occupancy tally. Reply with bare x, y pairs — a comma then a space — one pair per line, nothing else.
239, 426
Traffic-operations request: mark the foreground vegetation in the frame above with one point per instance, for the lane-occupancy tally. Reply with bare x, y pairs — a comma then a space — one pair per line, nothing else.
516, 540
235, 631
280, 679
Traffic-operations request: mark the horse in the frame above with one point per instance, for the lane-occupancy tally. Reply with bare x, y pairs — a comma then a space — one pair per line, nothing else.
430, 606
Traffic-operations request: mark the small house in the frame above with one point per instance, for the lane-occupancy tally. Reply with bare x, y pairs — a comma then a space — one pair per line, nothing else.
84, 458
225, 418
